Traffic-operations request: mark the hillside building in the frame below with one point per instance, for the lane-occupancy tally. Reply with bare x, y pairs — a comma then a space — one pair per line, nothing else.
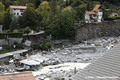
94, 16
17, 10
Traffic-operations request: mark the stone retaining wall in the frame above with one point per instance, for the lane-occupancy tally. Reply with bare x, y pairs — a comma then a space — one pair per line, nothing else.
12, 40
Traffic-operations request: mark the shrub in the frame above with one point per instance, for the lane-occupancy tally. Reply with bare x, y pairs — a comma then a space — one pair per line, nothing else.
19, 46
27, 30
111, 18
33, 28
8, 47
15, 31
2, 35
36, 46
15, 35
37, 30
46, 46
48, 32
11, 35
118, 17
21, 30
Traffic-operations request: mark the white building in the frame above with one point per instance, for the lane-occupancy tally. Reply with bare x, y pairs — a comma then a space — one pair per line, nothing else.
17, 10
114, 14
94, 16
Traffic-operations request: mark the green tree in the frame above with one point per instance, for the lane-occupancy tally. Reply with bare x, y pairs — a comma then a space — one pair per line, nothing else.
80, 11
37, 3
14, 25
90, 5
76, 3
105, 5
6, 3
6, 20
2, 7
43, 12
63, 26
53, 10
29, 17
31, 5
16, 2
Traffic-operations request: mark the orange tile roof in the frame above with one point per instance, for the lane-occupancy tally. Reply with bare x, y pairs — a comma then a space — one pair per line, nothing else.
18, 7
18, 76
96, 7
94, 11
90, 12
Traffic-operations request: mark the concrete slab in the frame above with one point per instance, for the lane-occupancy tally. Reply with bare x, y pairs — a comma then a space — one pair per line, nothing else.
12, 53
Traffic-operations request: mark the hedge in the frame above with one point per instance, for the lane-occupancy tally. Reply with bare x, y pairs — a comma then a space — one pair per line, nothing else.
15, 35
11, 35
111, 18
2, 35
118, 17
48, 32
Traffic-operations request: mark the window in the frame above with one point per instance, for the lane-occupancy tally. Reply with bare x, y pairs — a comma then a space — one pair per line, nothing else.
21, 13
17, 13
21, 10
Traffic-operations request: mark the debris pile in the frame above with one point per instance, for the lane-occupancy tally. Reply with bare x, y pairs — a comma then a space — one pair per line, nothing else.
60, 71
45, 64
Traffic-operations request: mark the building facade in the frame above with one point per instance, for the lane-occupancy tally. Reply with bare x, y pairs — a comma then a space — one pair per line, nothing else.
17, 10
94, 16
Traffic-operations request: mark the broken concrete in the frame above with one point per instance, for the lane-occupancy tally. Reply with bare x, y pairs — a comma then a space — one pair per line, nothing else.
27, 43
52, 65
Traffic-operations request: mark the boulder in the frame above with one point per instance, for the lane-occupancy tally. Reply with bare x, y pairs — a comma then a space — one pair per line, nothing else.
28, 43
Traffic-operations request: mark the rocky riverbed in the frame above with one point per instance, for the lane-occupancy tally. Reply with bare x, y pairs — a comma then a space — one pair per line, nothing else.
61, 63
86, 52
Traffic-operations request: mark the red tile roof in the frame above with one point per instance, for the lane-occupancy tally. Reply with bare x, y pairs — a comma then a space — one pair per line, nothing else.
94, 11
18, 7
96, 7
18, 76
90, 12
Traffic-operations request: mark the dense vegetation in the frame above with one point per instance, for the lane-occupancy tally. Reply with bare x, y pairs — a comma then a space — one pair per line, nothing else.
56, 17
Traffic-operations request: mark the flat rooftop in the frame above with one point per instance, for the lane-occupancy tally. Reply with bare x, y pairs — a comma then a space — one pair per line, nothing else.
18, 76
12, 53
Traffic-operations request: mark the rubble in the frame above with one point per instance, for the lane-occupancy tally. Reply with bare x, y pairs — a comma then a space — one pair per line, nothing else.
27, 43
55, 72
60, 63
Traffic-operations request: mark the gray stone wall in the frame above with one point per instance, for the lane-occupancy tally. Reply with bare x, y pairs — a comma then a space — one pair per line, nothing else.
40, 38
4, 60
6, 41
108, 28
1, 26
